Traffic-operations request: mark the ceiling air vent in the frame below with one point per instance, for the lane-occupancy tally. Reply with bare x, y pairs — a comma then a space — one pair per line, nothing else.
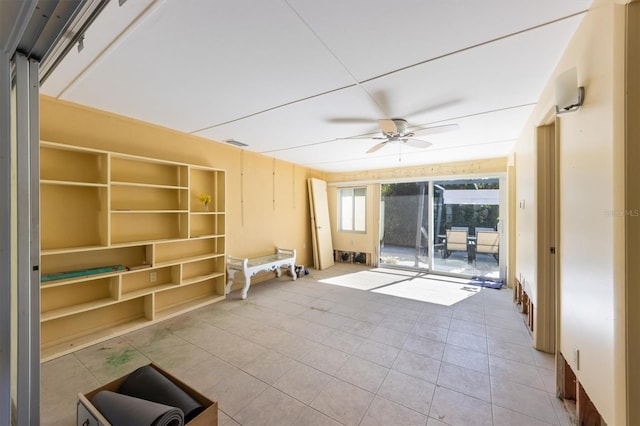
235, 142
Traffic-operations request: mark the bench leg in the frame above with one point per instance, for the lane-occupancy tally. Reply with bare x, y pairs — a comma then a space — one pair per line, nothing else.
278, 272
292, 268
230, 273
247, 283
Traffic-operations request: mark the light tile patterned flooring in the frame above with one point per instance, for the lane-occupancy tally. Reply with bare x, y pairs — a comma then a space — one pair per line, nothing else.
311, 353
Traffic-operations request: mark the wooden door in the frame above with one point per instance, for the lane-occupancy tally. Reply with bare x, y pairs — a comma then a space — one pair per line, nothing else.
320, 225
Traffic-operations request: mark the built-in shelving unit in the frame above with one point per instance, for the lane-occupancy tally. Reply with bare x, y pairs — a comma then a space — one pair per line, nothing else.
140, 216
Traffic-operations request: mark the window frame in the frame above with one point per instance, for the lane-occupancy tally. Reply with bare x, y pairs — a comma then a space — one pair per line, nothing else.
354, 196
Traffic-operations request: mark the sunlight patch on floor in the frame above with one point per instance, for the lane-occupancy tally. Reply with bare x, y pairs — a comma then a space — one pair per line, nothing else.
366, 280
396, 271
413, 285
430, 290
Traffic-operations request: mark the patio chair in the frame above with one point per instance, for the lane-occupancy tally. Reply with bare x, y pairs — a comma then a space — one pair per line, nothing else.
488, 242
457, 240
478, 229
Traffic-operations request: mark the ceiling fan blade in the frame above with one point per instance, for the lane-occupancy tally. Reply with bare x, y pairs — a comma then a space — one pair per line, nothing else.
372, 138
434, 107
350, 120
436, 129
376, 147
381, 99
417, 143
388, 127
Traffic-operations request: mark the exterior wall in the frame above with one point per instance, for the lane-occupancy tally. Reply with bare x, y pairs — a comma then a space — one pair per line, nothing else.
267, 201
590, 255
369, 242
366, 242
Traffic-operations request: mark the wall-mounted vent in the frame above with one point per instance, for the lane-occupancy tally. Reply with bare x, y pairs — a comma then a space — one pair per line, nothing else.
235, 142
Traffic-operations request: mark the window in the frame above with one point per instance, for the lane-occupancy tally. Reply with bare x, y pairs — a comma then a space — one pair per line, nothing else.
353, 212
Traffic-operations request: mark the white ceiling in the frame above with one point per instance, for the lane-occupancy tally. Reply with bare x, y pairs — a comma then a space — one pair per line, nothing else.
293, 78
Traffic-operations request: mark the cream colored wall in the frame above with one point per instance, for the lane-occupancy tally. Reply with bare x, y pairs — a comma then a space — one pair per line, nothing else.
366, 242
267, 201
632, 226
591, 241
461, 168
525, 220
511, 228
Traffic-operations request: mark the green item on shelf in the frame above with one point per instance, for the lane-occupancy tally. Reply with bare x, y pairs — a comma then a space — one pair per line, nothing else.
81, 273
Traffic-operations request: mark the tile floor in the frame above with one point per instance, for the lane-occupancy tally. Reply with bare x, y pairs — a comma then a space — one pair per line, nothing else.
313, 353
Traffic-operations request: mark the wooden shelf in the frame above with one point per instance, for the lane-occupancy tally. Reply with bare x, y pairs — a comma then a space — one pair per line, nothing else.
61, 261
200, 237
129, 211
188, 259
75, 309
96, 324
140, 242
82, 279
188, 305
83, 206
147, 185
52, 252
70, 183
102, 208
187, 297
202, 278
147, 291
76, 342
160, 198
89, 166
206, 225
128, 227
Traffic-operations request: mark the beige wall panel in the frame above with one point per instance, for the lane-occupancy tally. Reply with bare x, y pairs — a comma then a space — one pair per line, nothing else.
511, 233
252, 225
591, 241
366, 242
492, 165
526, 226
632, 335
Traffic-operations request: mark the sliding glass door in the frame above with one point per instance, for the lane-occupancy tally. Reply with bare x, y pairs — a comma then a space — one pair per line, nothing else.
404, 224
466, 227
447, 226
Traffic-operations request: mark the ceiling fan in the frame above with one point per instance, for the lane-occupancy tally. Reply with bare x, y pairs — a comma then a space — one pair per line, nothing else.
394, 130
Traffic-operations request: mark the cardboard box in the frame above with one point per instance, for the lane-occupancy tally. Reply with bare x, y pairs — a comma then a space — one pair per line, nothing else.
88, 415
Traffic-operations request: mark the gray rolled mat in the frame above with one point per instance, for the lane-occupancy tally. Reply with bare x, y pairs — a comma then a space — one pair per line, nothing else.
124, 410
148, 383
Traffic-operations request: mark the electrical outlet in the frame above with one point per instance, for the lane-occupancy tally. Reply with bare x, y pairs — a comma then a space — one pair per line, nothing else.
304, 245
153, 276
576, 358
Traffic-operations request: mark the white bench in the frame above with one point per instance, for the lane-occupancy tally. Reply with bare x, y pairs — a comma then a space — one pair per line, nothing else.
250, 267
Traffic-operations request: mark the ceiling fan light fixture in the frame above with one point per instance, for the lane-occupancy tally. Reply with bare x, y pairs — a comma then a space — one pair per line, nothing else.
394, 131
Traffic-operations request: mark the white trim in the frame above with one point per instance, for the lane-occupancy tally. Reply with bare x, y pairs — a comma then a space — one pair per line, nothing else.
5, 240
28, 249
